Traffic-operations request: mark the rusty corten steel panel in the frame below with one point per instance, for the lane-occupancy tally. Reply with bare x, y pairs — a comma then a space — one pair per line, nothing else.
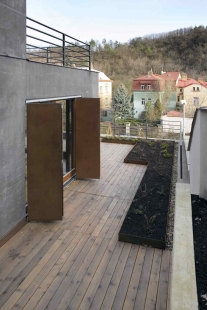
44, 162
87, 138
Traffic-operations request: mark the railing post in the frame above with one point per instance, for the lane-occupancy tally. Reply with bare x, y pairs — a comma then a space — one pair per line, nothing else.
146, 129
89, 57
63, 49
47, 55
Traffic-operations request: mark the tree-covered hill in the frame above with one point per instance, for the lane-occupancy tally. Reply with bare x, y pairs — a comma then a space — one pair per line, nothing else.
182, 50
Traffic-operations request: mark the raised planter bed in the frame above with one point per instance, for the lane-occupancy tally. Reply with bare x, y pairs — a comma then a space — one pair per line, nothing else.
120, 141
147, 218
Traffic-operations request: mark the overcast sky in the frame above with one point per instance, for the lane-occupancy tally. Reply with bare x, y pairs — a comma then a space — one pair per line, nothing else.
119, 20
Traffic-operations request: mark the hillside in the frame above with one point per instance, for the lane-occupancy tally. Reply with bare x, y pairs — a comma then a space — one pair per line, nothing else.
180, 50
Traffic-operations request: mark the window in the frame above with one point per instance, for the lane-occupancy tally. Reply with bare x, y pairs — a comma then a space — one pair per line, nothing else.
103, 113
149, 99
178, 98
198, 89
101, 89
106, 88
193, 88
143, 100
196, 101
106, 101
181, 90
142, 87
148, 86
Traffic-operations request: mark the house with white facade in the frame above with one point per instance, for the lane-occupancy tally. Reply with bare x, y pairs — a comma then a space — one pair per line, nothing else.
193, 91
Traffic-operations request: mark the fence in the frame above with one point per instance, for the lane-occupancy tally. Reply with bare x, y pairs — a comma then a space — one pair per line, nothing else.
47, 45
145, 130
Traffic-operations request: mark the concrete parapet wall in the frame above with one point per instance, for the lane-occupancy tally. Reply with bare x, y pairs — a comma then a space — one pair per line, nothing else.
44, 81
183, 293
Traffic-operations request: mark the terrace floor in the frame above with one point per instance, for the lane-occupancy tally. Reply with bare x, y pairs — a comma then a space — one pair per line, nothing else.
78, 263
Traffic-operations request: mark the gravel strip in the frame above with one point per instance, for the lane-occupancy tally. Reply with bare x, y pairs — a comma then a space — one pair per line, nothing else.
170, 226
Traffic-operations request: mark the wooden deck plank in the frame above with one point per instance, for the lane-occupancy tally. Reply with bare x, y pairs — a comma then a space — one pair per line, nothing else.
72, 285
104, 252
77, 263
107, 278
113, 285
68, 278
162, 294
134, 281
36, 270
21, 260
124, 283
46, 297
41, 283
94, 285
150, 303
144, 280
11, 283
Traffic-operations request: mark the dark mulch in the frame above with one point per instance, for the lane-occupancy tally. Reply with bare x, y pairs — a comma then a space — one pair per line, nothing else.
148, 214
199, 213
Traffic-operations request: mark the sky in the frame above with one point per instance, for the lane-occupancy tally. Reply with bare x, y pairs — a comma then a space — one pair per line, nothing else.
119, 20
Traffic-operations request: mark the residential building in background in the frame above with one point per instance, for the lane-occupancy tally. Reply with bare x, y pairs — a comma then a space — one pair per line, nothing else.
105, 95
153, 87
169, 88
193, 91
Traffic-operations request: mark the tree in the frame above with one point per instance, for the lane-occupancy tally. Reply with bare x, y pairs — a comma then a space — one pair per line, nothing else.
121, 103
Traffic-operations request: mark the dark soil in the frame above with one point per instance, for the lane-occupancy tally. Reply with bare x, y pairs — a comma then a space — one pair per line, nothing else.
199, 212
148, 214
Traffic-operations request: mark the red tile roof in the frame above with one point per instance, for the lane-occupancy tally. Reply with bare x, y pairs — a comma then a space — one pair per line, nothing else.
149, 77
170, 75
203, 83
185, 83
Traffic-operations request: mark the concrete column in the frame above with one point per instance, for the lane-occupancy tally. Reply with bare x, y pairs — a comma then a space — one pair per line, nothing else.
13, 28
12, 113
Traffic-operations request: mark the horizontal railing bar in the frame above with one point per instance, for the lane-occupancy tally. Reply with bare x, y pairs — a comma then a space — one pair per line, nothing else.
50, 58
72, 56
80, 61
49, 48
56, 30
71, 48
42, 40
83, 55
58, 59
44, 49
73, 44
47, 34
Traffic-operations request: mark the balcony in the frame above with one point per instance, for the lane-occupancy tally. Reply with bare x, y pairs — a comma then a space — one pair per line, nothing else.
48, 45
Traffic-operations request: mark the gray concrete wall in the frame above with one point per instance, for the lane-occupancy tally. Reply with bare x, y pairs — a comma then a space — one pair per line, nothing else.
12, 113
203, 154
12, 28
45, 81
21, 80
194, 157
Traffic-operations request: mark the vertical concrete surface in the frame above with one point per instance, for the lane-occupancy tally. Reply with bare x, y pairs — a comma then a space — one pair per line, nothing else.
21, 80
203, 153
12, 28
194, 157
12, 113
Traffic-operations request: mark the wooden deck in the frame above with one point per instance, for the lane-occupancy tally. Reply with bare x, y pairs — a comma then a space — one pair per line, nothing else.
78, 263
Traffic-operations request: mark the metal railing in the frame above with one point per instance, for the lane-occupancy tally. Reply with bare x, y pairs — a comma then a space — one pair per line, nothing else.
147, 130
48, 45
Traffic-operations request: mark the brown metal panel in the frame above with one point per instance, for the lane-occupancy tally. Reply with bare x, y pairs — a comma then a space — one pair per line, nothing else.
44, 162
87, 138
